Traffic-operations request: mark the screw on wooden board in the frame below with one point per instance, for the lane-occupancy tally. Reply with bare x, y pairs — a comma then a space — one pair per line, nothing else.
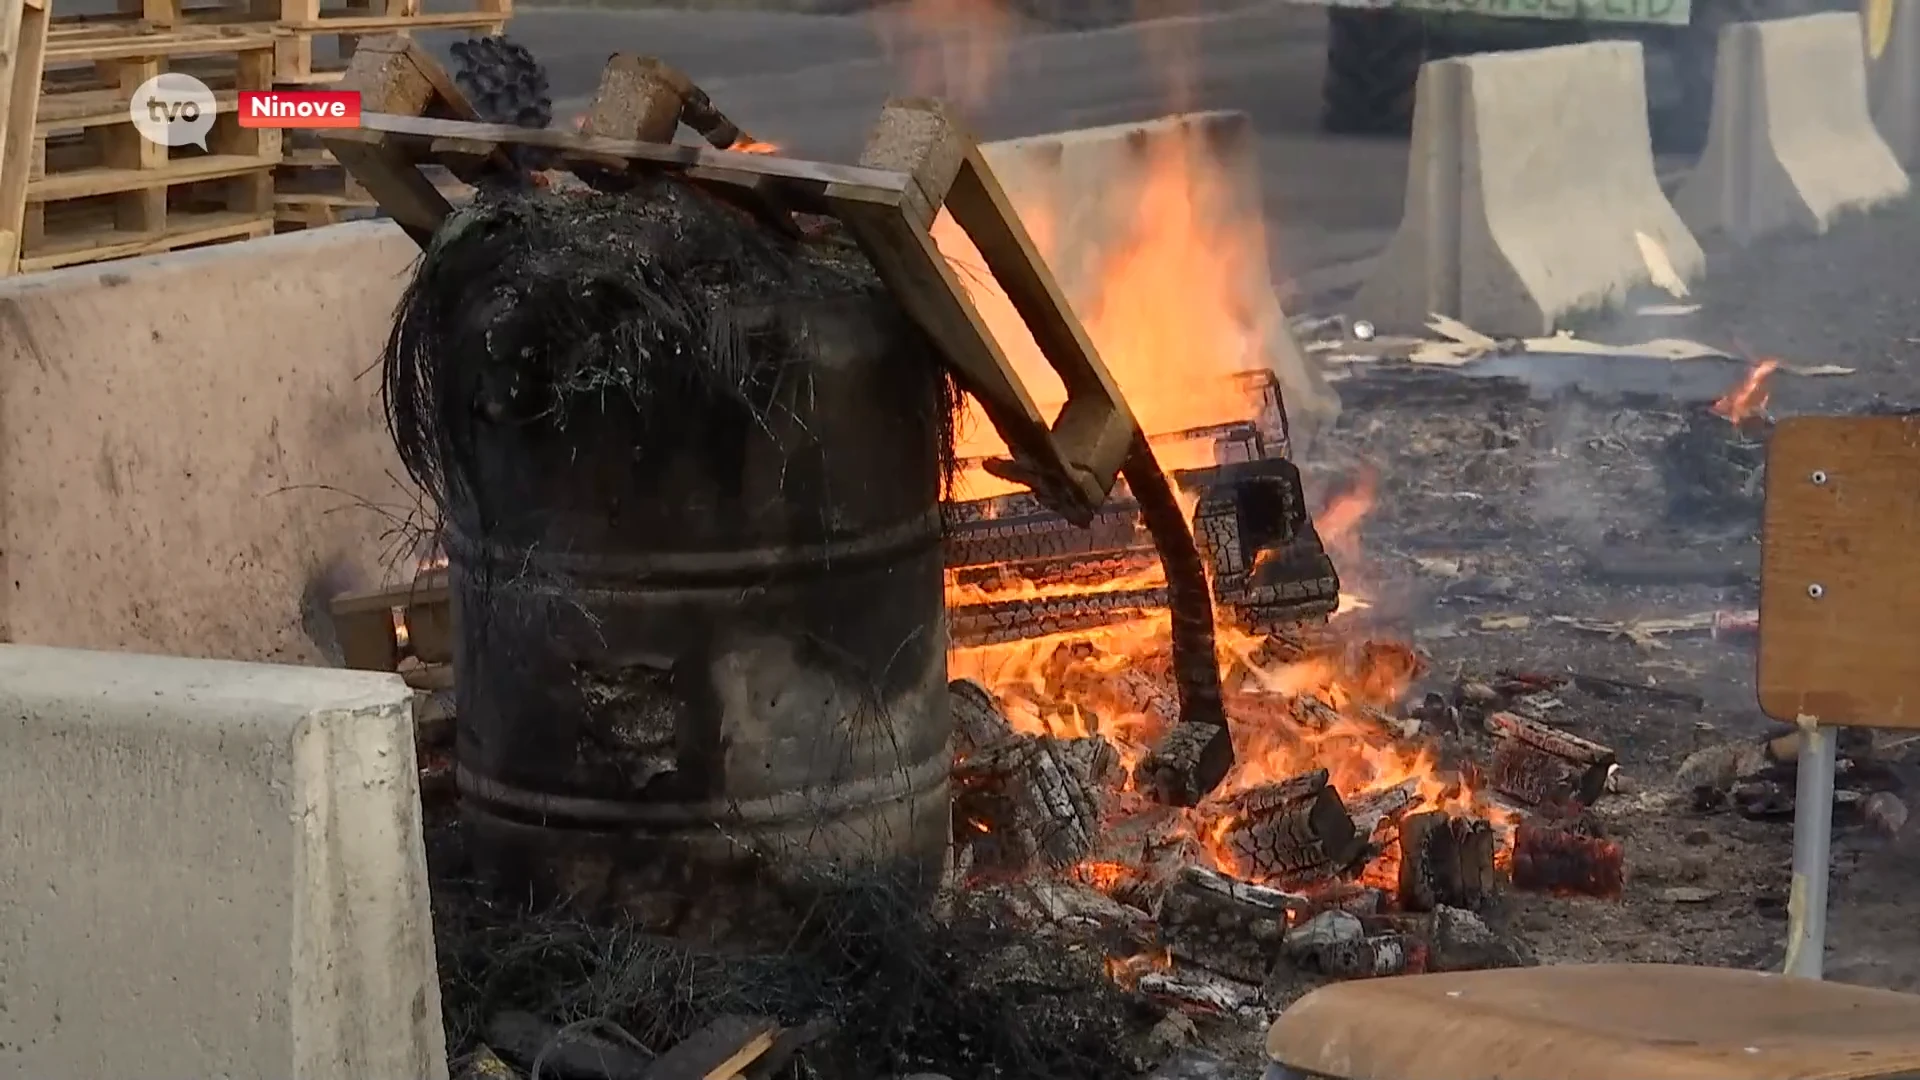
1819, 476
1816, 590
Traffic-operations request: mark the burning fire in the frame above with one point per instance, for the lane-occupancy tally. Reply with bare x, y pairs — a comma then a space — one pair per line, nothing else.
746, 144
1161, 303
1326, 710
1163, 311
1749, 398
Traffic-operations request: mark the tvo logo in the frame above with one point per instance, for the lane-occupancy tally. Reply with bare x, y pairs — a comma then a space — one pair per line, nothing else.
173, 110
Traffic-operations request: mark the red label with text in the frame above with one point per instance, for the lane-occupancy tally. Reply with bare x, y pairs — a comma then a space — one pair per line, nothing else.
299, 108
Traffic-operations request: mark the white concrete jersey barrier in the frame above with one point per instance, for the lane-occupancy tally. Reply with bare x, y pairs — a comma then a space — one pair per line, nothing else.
1892, 32
211, 869
1791, 144
184, 440
1084, 194
1531, 194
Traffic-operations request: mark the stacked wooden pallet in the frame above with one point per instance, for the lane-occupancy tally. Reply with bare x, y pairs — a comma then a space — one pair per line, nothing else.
316, 40
79, 184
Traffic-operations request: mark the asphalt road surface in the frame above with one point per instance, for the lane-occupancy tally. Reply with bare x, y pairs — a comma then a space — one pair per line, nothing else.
815, 83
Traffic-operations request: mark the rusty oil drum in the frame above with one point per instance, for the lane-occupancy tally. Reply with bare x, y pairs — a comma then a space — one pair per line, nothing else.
683, 669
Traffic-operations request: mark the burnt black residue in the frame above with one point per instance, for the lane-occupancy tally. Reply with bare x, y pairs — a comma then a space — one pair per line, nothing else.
532, 310
632, 724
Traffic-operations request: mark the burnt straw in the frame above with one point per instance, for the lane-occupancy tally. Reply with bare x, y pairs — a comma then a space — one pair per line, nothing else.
530, 307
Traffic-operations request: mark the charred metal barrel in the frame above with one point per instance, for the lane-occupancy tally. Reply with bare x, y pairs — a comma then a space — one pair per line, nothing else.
701, 647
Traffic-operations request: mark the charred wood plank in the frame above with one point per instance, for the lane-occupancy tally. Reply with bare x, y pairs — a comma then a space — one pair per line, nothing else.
1376, 808
1445, 861
1223, 924
1197, 989
1093, 759
1187, 763
978, 721
1542, 766
1030, 617
1429, 861
1565, 859
1020, 802
1479, 876
1015, 531
1294, 830
1370, 957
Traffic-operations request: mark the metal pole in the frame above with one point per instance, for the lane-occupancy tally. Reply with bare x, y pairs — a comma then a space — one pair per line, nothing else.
1812, 854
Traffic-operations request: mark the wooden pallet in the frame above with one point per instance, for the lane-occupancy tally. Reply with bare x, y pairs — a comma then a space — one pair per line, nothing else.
311, 189
919, 162
301, 24
98, 190
305, 24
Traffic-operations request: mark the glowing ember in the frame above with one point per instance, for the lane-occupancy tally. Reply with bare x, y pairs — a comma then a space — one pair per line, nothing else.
747, 145
1750, 396
1126, 970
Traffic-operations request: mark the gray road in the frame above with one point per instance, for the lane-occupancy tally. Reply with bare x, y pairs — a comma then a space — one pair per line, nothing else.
814, 83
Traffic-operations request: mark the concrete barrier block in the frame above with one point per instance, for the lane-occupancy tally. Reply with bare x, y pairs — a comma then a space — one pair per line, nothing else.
1531, 193
1128, 213
1892, 32
211, 869
192, 451
1791, 144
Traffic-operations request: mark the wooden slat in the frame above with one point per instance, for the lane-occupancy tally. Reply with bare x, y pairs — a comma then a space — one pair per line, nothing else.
113, 43
453, 137
1839, 577
23, 39
83, 183
73, 248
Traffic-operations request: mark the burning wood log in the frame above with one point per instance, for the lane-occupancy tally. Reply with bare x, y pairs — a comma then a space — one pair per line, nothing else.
1021, 801
996, 621
1445, 861
1233, 927
977, 720
1561, 858
1189, 761
1544, 766
1297, 829
1095, 760
1376, 808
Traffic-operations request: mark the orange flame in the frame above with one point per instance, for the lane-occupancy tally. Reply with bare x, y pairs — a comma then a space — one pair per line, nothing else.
1126, 970
1749, 397
746, 144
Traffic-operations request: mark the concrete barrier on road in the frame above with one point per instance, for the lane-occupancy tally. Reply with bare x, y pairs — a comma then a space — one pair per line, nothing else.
192, 453
211, 869
1892, 32
1791, 145
1531, 194
1157, 233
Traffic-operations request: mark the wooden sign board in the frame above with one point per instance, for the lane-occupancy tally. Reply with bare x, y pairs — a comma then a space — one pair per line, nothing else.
1840, 572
